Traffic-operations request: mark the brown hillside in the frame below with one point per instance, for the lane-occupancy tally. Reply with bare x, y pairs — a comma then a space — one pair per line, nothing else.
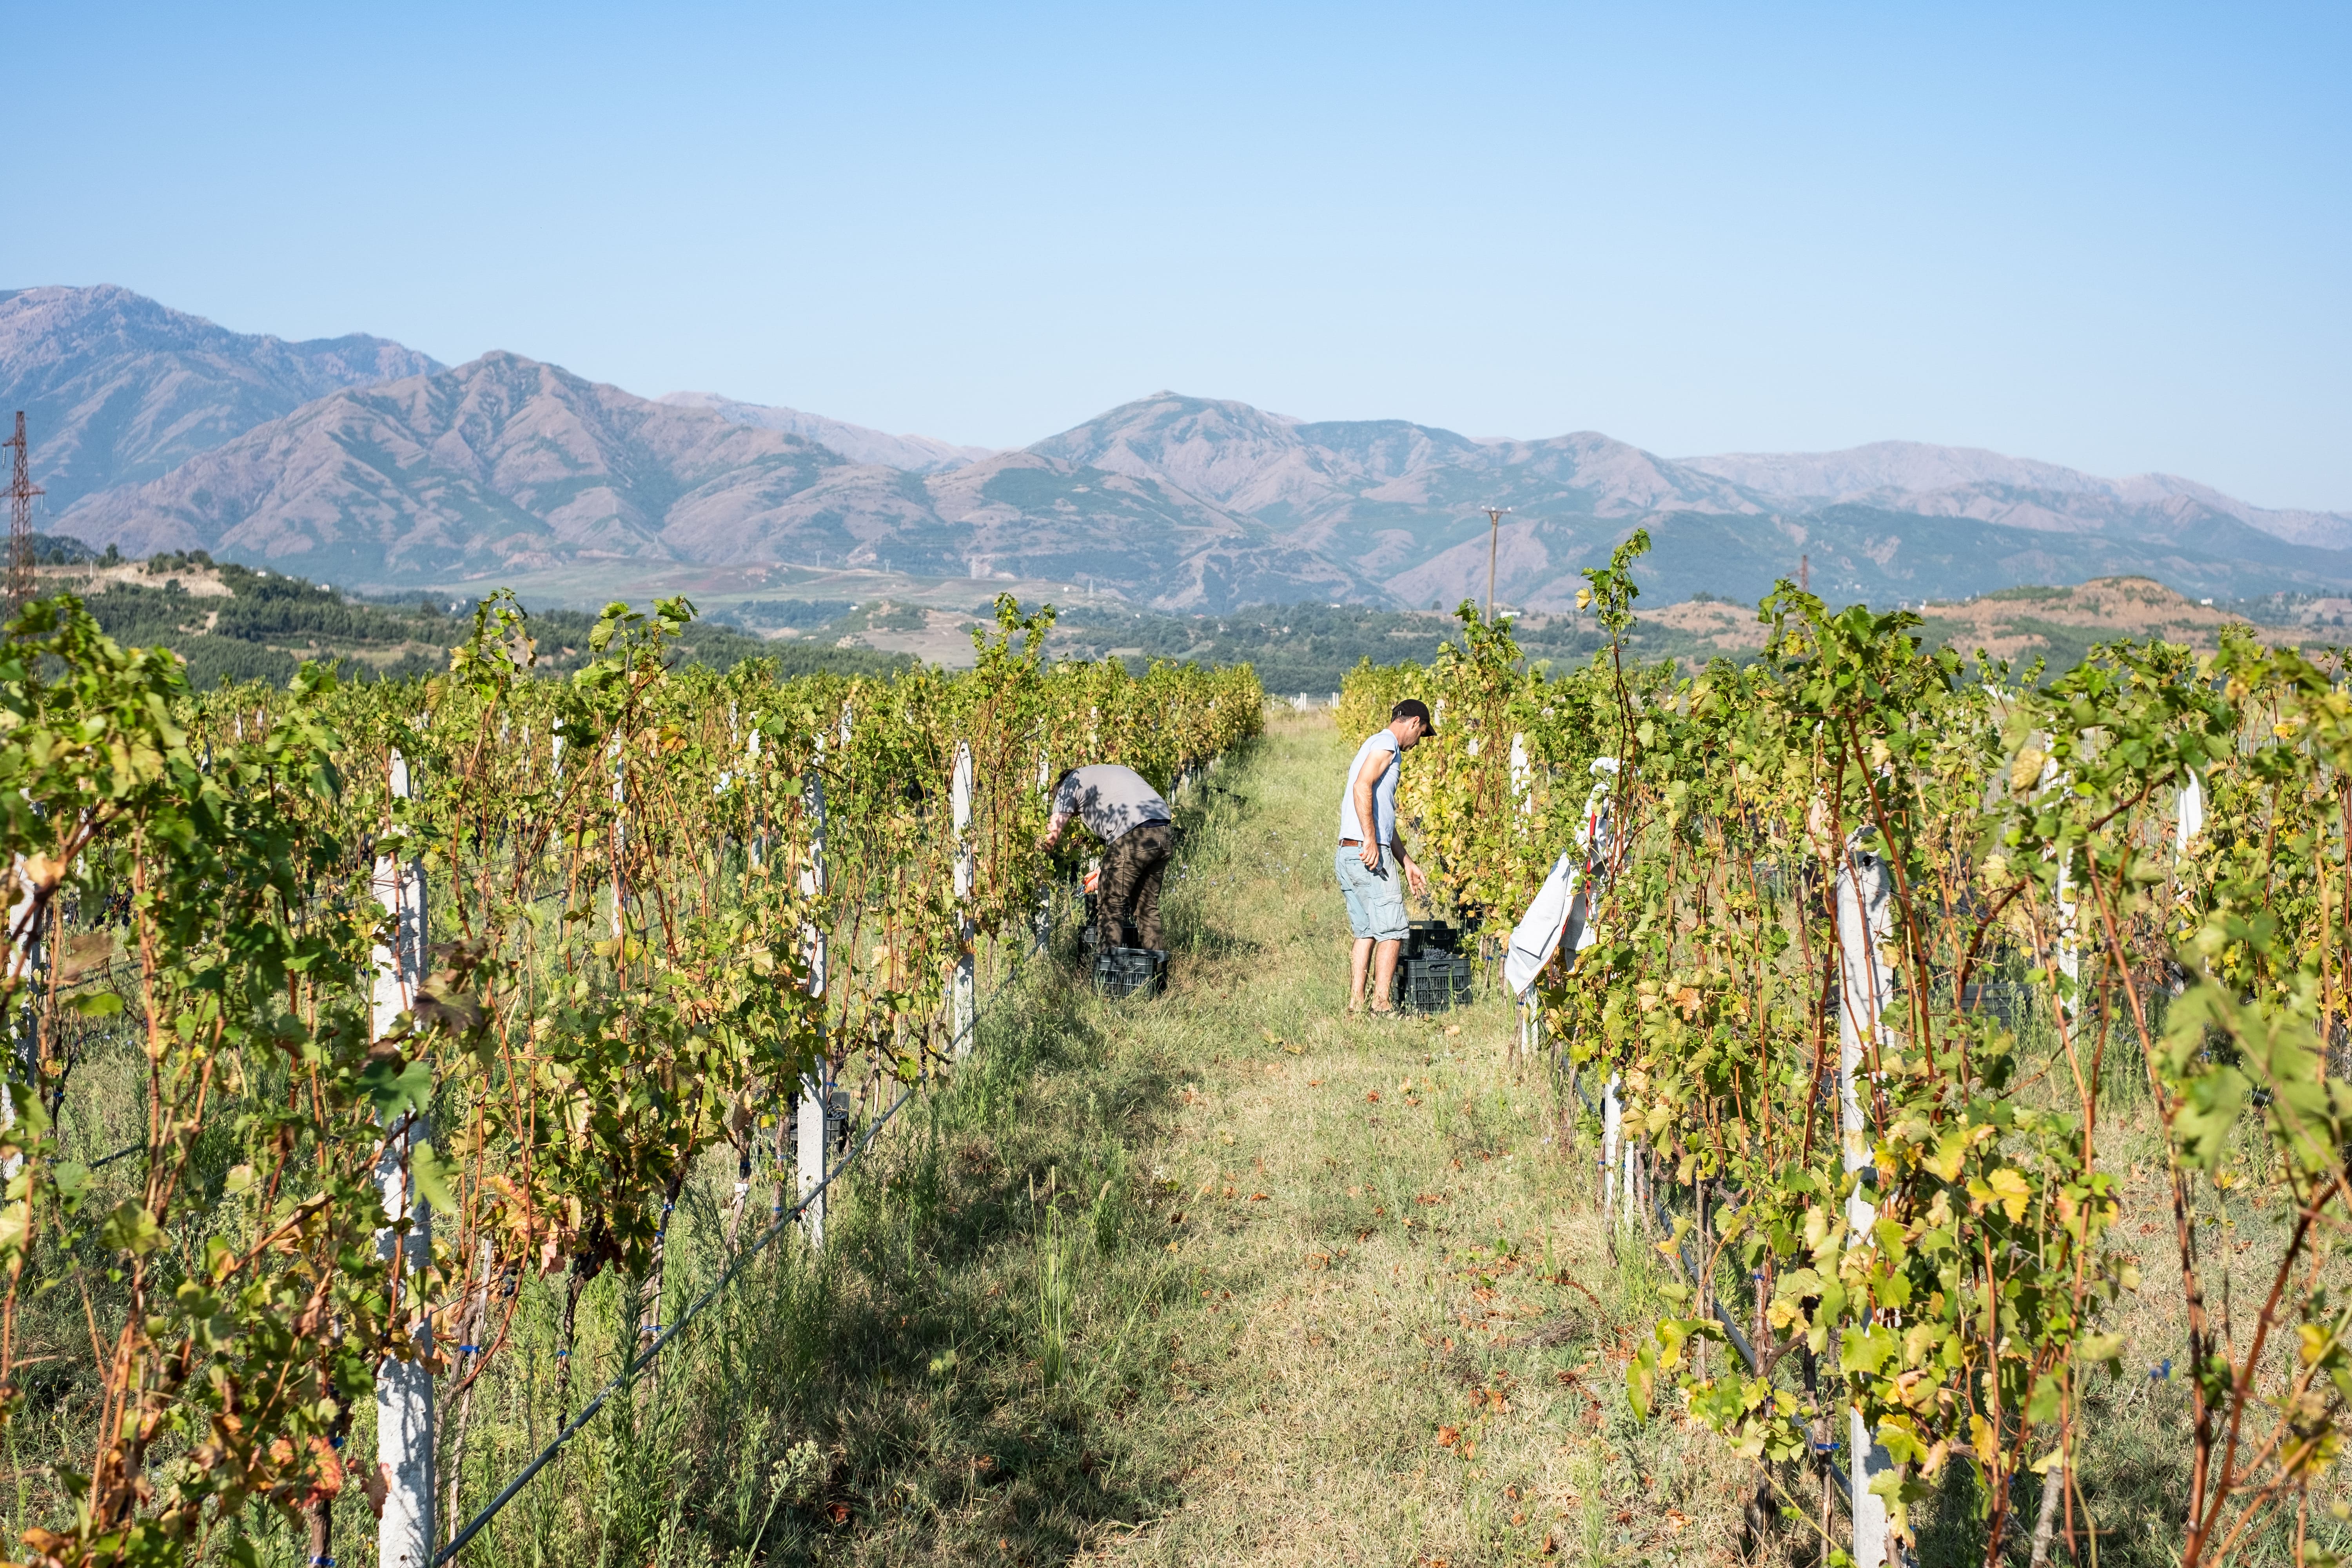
2055, 624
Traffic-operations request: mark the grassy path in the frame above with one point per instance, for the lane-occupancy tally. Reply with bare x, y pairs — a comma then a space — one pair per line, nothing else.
1397, 1337
1333, 1294
1219, 1278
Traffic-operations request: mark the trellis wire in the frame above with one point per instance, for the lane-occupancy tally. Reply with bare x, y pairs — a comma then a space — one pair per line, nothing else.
661, 1342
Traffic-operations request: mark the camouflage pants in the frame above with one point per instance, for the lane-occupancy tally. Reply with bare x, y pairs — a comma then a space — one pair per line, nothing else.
1126, 904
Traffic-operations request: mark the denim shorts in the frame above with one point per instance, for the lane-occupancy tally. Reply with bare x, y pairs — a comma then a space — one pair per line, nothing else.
1375, 898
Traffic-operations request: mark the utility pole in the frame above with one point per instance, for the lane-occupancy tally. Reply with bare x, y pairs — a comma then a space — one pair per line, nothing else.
21, 491
1804, 574
1494, 515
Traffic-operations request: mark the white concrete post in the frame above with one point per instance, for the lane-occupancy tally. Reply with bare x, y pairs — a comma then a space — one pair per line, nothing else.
964, 1010
1046, 891
1523, 793
23, 1023
620, 846
810, 1106
1612, 1136
754, 846
403, 1389
2067, 956
811, 878
808, 1135
555, 748
2187, 827
1864, 918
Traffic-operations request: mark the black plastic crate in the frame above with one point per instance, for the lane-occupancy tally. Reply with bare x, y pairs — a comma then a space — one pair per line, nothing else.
1422, 937
1434, 982
2010, 1003
1131, 972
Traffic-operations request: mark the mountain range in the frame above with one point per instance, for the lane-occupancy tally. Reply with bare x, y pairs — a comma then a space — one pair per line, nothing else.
118, 389
356, 460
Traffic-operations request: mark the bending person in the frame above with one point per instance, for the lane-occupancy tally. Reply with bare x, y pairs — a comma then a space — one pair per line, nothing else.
1119, 806
1368, 861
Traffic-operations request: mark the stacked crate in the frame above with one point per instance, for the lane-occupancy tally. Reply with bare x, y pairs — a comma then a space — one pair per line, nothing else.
1434, 973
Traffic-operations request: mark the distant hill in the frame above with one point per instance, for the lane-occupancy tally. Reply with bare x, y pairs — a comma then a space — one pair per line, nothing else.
118, 389
2057, 625
914, 454
356, 460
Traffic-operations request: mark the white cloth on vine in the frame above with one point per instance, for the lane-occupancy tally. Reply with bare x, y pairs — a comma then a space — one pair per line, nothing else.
1108, 799
1559, 903
1562, 904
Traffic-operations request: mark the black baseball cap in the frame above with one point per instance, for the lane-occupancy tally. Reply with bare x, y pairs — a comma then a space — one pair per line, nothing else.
1414, 708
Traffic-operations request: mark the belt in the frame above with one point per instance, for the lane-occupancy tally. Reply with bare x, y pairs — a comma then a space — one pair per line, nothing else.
1351, 844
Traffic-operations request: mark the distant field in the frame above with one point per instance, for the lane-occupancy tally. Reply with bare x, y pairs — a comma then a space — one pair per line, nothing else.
237, 623
234, 622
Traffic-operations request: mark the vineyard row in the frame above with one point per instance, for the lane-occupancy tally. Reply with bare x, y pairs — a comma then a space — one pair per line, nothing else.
1893, 970
416, 993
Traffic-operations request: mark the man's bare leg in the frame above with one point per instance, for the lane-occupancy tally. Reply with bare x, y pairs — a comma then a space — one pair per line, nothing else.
1384, 977
1358, 963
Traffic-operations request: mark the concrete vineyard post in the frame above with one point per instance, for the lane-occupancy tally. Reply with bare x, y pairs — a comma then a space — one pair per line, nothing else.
620, 832
403, 1389
1864, 989
2070, 957
24, 1024
963, 1010
2189, 826
1523, 794
1613, 1132
1044, 886
810, 1108
808, 1138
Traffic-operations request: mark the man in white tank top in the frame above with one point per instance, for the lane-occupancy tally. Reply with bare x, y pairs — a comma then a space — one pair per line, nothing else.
1368, 862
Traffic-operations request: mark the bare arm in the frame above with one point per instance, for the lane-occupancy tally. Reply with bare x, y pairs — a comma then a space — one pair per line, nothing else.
1057, 825
1414, 875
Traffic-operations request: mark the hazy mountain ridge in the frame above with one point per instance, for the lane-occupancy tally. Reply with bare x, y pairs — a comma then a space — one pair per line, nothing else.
1969, 481
118, 389
503, 463
916, 454
507, 465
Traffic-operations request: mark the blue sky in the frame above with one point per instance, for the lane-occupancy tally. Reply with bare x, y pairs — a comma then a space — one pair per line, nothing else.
2117, 237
